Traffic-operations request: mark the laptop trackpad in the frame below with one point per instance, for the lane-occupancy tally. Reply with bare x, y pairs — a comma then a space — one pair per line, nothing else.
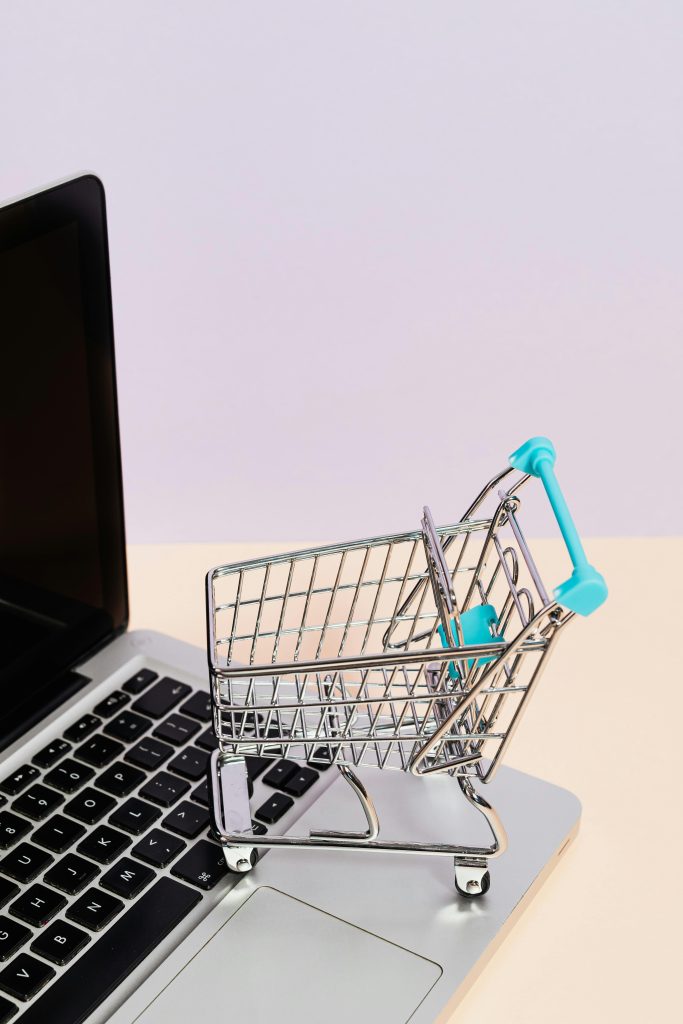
280, 959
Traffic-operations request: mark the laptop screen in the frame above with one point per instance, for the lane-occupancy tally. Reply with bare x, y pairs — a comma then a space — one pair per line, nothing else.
62, 554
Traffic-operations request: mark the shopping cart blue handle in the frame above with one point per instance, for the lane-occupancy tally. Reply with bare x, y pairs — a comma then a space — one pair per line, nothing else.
585, 590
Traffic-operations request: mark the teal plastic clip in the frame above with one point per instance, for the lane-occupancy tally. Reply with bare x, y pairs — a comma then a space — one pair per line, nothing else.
585, 590
478, 627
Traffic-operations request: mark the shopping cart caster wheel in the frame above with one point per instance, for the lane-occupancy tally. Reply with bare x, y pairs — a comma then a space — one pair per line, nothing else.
240, 859
472, 883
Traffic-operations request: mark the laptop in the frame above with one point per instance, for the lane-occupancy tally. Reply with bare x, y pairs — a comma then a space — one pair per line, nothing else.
116, 902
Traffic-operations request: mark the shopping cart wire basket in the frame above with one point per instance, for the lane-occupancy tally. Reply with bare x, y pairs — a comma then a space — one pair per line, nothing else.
415, 651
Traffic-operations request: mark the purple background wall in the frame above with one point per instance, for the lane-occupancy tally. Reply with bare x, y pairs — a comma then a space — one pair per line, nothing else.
360, 250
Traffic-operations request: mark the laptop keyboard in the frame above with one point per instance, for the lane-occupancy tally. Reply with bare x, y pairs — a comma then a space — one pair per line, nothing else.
87, 828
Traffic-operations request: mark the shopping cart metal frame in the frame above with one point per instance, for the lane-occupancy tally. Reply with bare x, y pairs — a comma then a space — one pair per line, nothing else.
448, 667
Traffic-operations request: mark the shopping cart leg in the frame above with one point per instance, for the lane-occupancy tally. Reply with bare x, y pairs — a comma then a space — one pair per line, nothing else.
368, 806
472, 877
229, 787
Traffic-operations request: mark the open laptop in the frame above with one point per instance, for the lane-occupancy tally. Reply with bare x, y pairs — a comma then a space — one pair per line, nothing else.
115, 901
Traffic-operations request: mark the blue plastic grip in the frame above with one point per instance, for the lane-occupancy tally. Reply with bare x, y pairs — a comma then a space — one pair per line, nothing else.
476, 625
585, 590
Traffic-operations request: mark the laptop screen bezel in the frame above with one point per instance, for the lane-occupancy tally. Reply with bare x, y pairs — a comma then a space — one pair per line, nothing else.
34, 690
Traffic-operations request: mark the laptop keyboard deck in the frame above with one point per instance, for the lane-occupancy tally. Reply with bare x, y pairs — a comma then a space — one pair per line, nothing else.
106, 844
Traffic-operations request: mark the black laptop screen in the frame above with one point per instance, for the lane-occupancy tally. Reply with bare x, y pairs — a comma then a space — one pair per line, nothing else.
62, 563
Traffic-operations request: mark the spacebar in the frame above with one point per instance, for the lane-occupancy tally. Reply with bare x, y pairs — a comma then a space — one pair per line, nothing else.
115, 954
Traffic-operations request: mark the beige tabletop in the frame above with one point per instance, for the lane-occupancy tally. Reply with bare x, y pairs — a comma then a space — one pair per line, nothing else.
602, 940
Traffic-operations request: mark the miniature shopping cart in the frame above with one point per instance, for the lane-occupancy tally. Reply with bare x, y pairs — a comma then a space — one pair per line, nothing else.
417, 651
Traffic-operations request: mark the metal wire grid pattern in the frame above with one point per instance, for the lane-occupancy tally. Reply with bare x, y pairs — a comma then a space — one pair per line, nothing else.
337, 647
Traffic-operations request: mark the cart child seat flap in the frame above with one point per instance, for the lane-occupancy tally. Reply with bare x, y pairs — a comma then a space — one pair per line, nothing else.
478, 627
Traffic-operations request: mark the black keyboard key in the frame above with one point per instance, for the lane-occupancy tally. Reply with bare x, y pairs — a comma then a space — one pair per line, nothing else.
258, 829
120, 779
82, 728
149, 753
38, 905
127, 878
89, 806
37, 802
69, 775
58, 834
201, 794
7, 1010
24, 862
163, 696
190, 763
280, 773
19, 779
164, 789
60, 942
7, 891
198, 706
102, 967
187, 820
12, 829
274, 808
321, 758
135, 816
207, 740
158, 848
177, 729
111, 704
127, 726
95, 909
204, 865
71, 874
257, 765
24, 977
141, 679
50, 754
300, 782
12, 936
104, 844
99, 750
